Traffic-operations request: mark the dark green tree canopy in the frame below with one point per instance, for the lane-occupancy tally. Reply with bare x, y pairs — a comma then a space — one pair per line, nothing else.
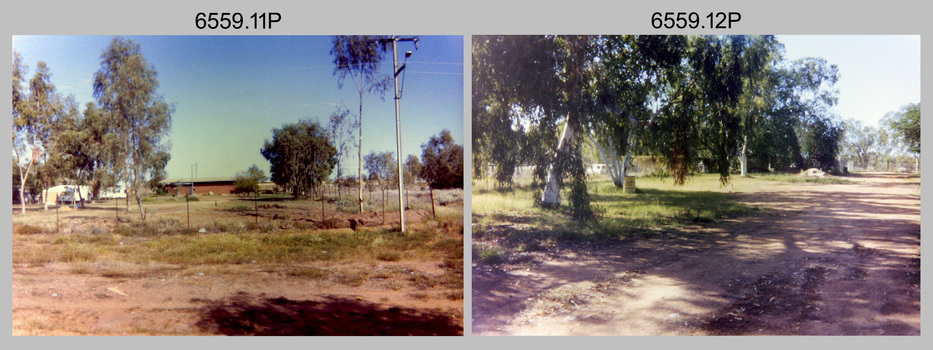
442, 162
678, 99
301, 156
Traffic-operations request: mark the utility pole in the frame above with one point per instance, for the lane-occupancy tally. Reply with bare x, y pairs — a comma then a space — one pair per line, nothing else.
398, 129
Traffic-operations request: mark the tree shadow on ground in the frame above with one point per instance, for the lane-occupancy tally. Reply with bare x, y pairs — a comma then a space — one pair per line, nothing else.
829, 261
244, 314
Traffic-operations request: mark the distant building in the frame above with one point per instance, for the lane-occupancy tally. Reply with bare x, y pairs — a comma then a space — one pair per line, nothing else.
202, 186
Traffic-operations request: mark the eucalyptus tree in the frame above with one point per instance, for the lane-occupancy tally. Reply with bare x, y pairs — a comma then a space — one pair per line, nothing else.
442, 160
301, 156
679, 99
906, 125
631, 73
413, 168
103, 149
359, 58
798, 92
72, 158
248, 181
860, 142
36, 114
26, 128
761, 57
126, 87
341, 126
513, 84
382, 168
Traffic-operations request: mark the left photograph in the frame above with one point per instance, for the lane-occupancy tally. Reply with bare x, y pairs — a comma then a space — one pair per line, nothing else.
237, 185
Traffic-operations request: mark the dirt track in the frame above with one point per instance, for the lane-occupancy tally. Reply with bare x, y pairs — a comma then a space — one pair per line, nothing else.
839, 259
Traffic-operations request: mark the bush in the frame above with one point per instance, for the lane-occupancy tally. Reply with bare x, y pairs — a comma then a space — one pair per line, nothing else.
389, 256
345, 205
489, 255
28, 230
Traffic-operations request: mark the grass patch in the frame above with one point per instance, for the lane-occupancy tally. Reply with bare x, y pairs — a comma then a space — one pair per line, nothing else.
352, 279
28, 230
489, 255
228, 243
389, 256
658, 207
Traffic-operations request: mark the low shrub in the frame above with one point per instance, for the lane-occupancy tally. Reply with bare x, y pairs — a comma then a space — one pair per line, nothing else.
28, 230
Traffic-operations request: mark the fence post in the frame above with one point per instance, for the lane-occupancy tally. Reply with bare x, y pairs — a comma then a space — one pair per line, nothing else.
433, 213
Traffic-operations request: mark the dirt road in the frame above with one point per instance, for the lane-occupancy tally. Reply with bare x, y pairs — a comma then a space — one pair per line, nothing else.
825, 259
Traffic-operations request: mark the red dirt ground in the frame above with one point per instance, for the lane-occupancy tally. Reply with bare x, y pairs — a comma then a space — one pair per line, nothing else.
826, 259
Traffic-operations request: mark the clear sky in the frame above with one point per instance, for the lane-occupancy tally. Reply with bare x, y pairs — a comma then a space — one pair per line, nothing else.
229, 92
877, 73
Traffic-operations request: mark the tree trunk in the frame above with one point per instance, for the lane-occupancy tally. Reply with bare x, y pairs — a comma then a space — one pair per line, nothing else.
743, 159
615, 169
359, 150
22, 185
551, 194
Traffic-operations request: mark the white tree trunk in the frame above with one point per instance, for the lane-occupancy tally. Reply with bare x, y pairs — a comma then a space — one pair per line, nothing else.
614, 168
743, 159
551, 189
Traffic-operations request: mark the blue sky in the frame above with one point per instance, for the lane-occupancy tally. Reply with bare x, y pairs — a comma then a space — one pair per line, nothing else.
878, 73
229, 92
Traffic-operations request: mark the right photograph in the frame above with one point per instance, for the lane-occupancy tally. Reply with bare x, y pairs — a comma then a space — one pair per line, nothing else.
695, 185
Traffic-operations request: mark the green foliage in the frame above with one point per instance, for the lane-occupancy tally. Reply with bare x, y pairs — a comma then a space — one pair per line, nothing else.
36, 117
126, 90
822, 141
660, 207
359, 57
341, 127
344, 204
248, 181
681, 99
381, 167
413, 168
489, 255
443, 162
906, 124
301, 156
